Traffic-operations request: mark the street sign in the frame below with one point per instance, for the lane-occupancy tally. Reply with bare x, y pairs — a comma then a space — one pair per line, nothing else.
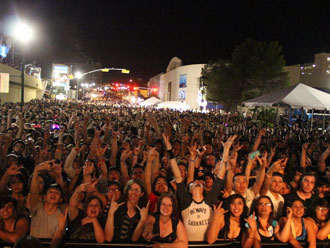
125, 71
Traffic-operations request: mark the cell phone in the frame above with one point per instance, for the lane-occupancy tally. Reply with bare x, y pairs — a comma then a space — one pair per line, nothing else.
247, 224
56, 126
254, 154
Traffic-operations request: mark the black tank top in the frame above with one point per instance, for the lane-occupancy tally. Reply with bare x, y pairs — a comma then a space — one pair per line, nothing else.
169, 238
223, 235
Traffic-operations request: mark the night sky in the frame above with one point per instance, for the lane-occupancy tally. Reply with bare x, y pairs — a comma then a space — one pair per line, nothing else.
144, 35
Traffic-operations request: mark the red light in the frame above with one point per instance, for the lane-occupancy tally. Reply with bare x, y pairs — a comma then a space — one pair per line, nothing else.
117, 84
136, 88
154, 89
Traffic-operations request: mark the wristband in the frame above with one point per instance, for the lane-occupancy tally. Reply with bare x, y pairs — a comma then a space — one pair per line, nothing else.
193, 160
170, 154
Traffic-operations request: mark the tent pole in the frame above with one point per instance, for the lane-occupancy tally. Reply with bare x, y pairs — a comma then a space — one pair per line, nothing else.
312, 119
323, 125
277, 115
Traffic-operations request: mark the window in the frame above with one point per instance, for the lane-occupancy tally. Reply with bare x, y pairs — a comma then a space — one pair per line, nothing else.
183, 81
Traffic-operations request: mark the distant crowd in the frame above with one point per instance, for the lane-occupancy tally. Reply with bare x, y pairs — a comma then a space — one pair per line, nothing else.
120, 173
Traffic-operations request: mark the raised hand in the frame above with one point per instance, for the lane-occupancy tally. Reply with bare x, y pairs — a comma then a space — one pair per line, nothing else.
263, 160
144, 212
262, 132
289, 212
47, 165
13, 169
114, 206
57, 168
219, 212
251, 220
167, 142
193, 150
152, 154
229, 142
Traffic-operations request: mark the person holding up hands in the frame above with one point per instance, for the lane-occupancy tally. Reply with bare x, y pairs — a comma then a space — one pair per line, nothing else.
126, 219
44, 221
272, 187
265, 228
228, 223
86, 224
196, 209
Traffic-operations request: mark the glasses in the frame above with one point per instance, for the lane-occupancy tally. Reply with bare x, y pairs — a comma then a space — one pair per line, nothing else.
296, 206
113, 190
135, 190
264, 204
322, 209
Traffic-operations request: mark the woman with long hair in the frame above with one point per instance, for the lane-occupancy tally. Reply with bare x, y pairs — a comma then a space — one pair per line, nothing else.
301, 229
321, 220
126, 219
12, 225
164, 228
267, 228
228, 223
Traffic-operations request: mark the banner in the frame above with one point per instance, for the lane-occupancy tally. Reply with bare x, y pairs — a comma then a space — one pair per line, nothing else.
4, 82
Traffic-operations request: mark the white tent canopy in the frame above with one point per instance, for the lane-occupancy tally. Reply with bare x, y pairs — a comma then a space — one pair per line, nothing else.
150, 102
174, 105
296, 96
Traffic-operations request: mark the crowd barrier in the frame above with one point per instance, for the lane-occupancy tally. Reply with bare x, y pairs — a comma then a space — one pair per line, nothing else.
46, 243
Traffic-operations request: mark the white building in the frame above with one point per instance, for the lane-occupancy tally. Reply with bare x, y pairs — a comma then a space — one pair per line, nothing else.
180, 83
315, 74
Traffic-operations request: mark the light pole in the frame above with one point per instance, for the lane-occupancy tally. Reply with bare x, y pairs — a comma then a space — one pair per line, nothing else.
22, 33
79, 75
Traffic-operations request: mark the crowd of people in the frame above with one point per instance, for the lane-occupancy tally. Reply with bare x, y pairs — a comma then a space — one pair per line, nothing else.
118, 173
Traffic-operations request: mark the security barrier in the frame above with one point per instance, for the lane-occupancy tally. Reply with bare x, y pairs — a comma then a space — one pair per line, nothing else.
46, 243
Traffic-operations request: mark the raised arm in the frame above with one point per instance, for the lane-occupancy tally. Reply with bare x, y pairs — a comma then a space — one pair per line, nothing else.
114, 149
225, 156
261, 133
261, 174
218, 222
276, 166
34, 192
322, 166
174, 165
303, 157
143, 218
192, 162
110, 224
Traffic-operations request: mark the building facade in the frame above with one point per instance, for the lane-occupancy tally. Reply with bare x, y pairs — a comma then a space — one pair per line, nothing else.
315, 74
180, 83
33, 86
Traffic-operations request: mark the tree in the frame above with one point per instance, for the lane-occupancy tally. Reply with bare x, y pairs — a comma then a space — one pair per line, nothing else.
255, 68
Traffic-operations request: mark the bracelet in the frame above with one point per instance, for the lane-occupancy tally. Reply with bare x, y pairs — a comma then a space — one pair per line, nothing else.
193, 160
170, 154
101, 161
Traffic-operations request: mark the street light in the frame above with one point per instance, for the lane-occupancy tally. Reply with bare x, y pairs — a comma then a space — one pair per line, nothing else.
79, 75
24, 34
